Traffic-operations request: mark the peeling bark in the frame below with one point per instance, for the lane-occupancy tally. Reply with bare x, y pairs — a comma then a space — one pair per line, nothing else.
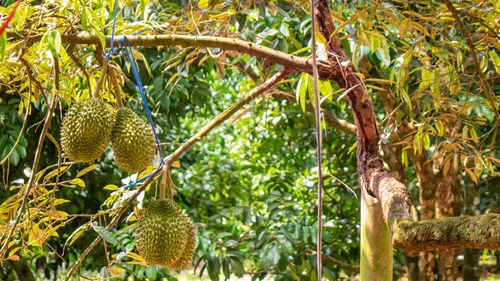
475, 232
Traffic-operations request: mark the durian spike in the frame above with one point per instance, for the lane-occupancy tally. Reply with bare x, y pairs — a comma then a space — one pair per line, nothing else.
98, 86
116, 86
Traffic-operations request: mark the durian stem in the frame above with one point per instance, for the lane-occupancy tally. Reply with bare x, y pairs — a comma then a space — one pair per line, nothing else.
170, 185
166, 184
163, 183
98, 86
116, 86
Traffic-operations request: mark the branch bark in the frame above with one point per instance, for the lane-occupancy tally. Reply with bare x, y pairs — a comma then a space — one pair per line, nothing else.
327, 70
476, 232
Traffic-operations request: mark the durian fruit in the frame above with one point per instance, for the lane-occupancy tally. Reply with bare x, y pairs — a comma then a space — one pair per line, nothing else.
86, 130
186, 258
133, 141
166, 235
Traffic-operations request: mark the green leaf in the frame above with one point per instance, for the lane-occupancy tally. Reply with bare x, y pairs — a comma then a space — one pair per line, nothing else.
301, 91
111, 187
55, 172
151, 272
3, 45
237, 267
107, 235
77, 181
274, 255
225, 268
496, 60
54, 42
383, 53
213, 267
86, 170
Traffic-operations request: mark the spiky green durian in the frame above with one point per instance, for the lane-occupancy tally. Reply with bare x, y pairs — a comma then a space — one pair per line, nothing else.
133, 141
86, 130
164, 231
186, 258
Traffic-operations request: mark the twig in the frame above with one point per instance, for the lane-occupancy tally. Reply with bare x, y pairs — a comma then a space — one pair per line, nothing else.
470, 44
256, 92
80, 65
34, 169
330, 119
33, 79
115, 86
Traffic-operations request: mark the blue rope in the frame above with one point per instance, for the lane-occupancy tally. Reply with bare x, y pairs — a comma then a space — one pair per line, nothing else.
135, 72
111, 41
137, 77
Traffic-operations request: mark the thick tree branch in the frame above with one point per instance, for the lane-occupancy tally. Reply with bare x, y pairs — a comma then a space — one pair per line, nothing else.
294, 63
478, 232
330, 119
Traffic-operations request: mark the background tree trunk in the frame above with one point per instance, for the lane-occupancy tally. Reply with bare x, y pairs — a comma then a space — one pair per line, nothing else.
448, 203
22, 270
471, 270
427, 181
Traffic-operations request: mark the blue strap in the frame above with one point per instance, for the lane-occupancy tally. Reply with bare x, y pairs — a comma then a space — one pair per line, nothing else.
112, 40
137, 77
135, 72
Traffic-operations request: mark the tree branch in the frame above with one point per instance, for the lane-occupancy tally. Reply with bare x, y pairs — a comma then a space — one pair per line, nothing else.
478, 232
31, 182
294, 63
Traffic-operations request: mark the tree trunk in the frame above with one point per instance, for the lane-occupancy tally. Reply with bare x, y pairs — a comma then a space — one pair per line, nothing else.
427, 181
22, 270
392, 156
448, 203
471, 270
376, 241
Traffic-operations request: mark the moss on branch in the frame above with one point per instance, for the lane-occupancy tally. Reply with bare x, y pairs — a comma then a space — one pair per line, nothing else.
478, 232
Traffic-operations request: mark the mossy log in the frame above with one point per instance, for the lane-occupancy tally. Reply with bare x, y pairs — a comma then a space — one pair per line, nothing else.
476, 232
